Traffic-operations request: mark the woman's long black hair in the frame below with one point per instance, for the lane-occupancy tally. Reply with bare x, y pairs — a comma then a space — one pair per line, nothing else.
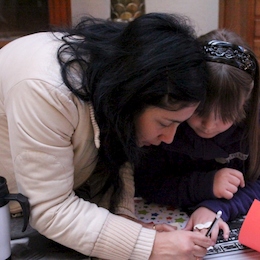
123, 68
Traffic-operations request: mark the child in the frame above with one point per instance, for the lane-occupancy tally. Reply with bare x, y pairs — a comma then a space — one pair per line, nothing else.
213, 162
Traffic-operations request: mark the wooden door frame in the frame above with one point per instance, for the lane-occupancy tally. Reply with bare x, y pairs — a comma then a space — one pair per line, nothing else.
238, 16
59, 12
59, 15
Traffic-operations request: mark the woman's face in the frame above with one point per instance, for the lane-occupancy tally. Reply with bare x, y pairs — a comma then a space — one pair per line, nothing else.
208, 127
156, 125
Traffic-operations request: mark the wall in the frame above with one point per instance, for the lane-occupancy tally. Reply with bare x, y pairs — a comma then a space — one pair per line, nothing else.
203, 13
96, 8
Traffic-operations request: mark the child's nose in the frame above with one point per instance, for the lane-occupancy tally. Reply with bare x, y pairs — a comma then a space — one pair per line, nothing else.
209, 123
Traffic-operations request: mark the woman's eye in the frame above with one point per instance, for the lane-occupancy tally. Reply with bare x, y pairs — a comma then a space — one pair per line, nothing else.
164, 125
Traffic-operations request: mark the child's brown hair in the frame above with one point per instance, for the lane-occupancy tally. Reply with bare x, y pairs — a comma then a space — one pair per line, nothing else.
233, 91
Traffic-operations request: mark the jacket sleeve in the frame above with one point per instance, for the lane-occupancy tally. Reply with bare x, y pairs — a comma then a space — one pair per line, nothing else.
238, 205
160, 181
126, 205
41, 122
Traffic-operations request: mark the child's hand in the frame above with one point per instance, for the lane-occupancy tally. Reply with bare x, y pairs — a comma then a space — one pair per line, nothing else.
201, 216
226, 182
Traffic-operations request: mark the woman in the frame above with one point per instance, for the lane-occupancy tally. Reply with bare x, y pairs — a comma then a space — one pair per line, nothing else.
77, 107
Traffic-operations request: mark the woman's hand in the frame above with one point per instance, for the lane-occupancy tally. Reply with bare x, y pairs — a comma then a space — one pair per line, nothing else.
181, 245
203, 215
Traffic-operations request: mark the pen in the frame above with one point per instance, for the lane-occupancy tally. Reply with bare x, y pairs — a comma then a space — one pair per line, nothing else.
219, 213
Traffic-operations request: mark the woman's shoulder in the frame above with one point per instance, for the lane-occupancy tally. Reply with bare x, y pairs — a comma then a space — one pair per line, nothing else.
30, 48
32, 57
32, 39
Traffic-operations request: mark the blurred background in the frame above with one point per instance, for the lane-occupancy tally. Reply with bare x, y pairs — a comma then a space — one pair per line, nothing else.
21, 17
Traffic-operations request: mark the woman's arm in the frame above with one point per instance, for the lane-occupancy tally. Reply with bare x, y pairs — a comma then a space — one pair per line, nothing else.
42, 125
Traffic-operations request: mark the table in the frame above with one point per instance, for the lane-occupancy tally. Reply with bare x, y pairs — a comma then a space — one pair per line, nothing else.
152, 212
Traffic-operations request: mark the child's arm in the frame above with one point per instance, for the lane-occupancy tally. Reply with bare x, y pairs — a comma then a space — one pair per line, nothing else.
171, 189
170, 178
238, 205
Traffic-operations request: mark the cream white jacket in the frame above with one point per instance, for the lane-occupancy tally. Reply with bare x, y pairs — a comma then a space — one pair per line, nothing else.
48, 149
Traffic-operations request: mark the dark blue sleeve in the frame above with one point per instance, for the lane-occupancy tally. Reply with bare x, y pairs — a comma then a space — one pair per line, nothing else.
159, 181
180, 191
238, 205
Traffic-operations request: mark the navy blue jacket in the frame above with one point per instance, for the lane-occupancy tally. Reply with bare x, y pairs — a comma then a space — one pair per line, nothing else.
181, 174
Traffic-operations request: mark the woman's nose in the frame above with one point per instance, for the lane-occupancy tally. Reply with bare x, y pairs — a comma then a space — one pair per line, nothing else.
168, 135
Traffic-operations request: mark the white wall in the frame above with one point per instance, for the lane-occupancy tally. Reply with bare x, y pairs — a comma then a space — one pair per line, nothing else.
203, 13
96, 8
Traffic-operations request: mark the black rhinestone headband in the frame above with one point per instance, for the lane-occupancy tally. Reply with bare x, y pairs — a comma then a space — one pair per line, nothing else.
230, 54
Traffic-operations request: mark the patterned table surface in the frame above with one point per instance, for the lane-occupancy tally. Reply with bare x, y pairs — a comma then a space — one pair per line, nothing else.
151, 212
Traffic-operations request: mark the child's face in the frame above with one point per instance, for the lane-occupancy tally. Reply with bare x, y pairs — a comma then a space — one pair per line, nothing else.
156, 125
208, 127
